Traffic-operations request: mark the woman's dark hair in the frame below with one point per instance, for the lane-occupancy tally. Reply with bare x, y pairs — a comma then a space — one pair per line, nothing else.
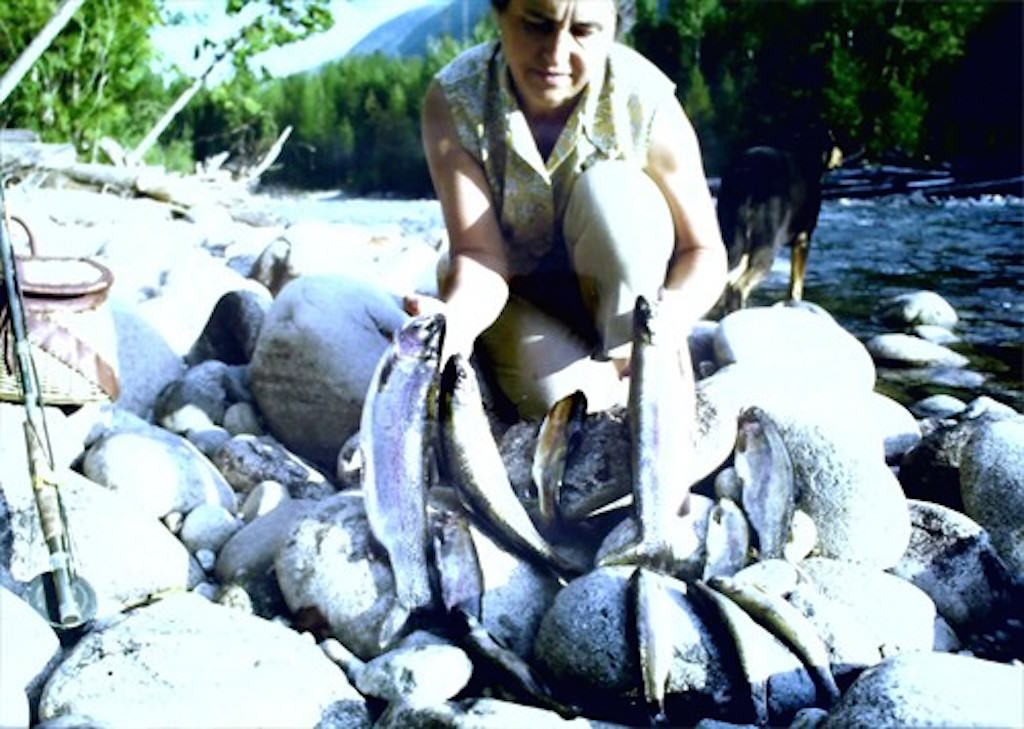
625, 10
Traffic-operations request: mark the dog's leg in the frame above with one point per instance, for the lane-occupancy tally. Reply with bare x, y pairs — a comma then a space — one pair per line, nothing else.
801, 247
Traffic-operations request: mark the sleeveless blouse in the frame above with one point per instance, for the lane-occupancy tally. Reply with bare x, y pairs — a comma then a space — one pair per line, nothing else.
612, 121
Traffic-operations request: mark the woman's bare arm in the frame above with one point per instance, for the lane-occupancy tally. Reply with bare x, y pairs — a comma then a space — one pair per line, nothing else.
475, 289
696, 273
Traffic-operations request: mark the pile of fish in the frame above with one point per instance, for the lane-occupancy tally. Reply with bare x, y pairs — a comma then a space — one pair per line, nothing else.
424, 426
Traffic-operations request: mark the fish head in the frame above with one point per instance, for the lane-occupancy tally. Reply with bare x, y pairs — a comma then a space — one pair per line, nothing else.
642, 316
751, 426
649, 325
421, 337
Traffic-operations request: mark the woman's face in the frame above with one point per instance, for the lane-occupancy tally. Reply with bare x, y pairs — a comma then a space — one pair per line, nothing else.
553, 47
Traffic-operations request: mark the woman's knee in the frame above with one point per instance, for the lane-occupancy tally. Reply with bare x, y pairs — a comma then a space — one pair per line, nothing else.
616, 206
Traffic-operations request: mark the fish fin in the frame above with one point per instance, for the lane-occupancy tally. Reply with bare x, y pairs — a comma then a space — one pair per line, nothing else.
654, 555
393, 627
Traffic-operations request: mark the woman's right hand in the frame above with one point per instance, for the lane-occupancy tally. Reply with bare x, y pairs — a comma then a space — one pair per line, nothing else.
454, 339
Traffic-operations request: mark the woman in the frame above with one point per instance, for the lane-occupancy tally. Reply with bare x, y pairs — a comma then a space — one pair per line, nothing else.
571, 181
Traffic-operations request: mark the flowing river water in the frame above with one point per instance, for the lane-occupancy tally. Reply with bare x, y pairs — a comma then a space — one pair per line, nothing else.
968, 250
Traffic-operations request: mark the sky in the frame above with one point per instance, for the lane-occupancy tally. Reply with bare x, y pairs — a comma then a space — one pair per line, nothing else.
353, 19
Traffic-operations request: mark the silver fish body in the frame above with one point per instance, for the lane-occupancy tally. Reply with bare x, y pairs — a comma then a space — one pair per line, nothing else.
789, 625
729, 615
727, 541
458, 566
470, 458
561, 426
661, 419
516, 674
395, 431
653, 609
763, 466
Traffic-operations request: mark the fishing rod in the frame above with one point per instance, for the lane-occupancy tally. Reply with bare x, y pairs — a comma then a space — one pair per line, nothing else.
61, 596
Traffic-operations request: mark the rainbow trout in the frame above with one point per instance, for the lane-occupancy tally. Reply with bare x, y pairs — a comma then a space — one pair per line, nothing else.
763, 466
395, 443
560, 429
662, 412
654, 616
471, 460
789, 625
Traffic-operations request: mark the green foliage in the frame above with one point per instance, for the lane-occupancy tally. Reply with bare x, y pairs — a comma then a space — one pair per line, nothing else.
357, 121
93, 80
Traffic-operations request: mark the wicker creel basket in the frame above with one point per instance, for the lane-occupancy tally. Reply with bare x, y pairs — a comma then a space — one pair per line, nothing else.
70, 329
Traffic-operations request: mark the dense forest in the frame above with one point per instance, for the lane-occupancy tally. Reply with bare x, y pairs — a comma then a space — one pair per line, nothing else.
924, 83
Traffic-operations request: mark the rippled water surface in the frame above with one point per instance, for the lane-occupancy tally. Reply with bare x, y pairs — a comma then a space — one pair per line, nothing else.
970, 251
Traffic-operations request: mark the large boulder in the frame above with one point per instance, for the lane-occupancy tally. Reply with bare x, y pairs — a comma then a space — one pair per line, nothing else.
124, 555
917, 307
992, 485
318, 348
951, 558
900, 616
932, 689
853, 498
798, 345
186, 662
157, 470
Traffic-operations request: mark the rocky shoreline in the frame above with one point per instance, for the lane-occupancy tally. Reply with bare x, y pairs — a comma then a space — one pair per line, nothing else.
216, 510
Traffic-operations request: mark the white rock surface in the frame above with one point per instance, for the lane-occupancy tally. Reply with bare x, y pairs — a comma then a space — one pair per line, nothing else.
185, 662
992, 485
933, 689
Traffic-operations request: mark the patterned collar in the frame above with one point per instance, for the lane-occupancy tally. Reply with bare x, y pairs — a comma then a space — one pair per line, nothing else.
581, 123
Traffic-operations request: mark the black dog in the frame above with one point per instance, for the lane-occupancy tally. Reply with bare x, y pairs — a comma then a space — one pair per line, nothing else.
770, 197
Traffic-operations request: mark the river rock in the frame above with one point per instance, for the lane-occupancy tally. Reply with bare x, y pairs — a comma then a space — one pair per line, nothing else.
319, 346
516, 594
329, 566
935, 334
203, 387
29, 650
241, 418
799, 345
247, 460
418, 674
775, 682
189, 290
482, 713
146, 362
855, 501
985, 405
208, 526
904, 349
938, 406
932, 689
930, 471
851, 642
992, 485
917, 307
903, 621
248, 557
233, 328
951, 558
186, 662
583, 644
124, 555
158, 471
931, 378
264, 498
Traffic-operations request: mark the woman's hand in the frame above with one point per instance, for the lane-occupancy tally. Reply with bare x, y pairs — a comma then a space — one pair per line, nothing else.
455, 340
